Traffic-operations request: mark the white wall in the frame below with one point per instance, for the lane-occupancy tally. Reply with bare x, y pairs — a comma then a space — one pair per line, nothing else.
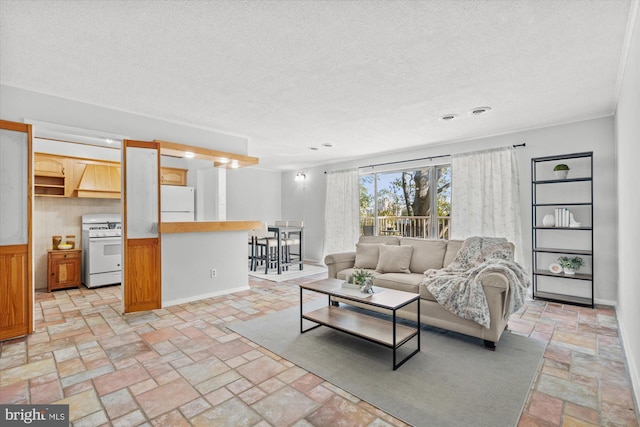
305, 201
628, 153
592, 135
19, 104
253, 194
198, 253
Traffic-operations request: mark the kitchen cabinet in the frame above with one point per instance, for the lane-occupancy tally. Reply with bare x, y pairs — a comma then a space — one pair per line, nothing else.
173, 176
49, 175
64, 268
64, 176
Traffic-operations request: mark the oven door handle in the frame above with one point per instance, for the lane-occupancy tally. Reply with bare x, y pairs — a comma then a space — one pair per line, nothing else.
105, 239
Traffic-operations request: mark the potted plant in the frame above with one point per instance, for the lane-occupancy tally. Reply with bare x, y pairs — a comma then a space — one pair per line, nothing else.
570, 264
360, 277
561, 170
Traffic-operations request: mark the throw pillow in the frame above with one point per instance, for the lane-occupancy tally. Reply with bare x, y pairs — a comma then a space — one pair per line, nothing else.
366, 255
394, 259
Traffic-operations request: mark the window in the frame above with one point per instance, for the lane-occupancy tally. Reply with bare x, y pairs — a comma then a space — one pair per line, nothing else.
410, 203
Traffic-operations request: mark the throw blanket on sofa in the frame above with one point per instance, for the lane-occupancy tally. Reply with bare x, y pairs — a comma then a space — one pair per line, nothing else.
458, 287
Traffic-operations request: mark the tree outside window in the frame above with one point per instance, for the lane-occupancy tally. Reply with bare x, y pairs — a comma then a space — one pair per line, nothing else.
411, 203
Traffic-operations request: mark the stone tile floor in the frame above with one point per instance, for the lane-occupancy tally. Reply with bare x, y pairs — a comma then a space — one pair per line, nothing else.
182, 366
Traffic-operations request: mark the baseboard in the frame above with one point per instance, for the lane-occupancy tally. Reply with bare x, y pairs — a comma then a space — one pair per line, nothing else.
634, 370
203, 296
605, 302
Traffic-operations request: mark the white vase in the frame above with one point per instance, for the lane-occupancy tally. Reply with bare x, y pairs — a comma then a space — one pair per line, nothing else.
548, 220
569, 271
561, 174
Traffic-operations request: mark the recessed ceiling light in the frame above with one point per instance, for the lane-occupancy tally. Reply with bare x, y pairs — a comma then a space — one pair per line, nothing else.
448, 117
224, 160
313, 148
189, 154
479, 110
327, 144
234, 164
109, 141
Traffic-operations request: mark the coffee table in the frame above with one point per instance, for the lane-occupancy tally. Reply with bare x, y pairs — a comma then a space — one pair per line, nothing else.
384, 332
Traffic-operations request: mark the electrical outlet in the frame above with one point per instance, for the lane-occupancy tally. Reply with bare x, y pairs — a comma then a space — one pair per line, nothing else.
213, 273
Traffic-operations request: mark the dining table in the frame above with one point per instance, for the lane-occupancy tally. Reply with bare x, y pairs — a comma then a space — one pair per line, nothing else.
285, 232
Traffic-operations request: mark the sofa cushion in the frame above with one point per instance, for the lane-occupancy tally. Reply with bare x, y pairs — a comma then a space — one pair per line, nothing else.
394, 259
366, 255
453, 246
385, 240
399, 281
426, 253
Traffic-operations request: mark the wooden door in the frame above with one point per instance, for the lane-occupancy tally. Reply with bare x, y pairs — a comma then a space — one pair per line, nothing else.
16, 290
142, 279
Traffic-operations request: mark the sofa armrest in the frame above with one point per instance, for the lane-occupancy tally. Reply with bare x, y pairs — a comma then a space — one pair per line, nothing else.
338, 262
496, 289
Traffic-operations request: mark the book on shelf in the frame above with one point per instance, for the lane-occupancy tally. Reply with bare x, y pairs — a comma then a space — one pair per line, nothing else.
562, 217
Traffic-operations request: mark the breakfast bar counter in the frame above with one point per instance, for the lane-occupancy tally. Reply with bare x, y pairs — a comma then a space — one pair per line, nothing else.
207, 226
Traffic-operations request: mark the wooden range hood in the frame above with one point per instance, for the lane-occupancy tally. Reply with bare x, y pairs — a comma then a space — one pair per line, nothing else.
98, 180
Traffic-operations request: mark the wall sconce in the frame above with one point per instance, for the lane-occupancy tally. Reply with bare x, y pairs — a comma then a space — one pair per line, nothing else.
300, 176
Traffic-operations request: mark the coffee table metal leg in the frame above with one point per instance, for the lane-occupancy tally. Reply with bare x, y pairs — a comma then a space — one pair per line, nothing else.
396, 366
394, 341
302, 330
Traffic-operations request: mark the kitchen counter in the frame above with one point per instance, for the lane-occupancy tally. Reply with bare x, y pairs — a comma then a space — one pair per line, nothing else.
207, 226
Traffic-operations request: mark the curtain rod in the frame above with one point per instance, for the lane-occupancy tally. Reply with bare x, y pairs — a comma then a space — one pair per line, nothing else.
524, 144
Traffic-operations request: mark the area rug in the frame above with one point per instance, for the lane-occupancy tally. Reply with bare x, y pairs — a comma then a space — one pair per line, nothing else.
452, 381
293, 272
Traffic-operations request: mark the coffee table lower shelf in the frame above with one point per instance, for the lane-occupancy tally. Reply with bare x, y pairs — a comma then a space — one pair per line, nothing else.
364, 326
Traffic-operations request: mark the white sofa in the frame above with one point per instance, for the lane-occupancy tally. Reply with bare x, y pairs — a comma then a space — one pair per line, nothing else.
389, 267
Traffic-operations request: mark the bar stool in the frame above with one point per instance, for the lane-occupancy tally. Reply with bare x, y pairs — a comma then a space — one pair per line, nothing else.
266, 248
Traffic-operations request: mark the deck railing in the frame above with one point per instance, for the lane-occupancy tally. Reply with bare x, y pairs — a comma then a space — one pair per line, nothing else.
406, 226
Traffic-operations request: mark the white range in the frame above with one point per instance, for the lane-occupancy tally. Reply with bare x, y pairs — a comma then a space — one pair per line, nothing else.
101, 250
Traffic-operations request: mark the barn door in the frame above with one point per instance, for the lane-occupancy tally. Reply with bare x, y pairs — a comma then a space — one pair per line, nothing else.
16, 272
142, 284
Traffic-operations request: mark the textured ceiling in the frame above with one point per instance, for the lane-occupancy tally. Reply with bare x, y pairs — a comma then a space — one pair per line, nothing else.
365, 76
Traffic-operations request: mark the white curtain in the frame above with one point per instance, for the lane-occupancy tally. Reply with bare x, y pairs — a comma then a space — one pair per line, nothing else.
485, 196
342, 211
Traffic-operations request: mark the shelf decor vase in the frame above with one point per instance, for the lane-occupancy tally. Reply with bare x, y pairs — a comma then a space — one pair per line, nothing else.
548, 220
569, 271
561, 174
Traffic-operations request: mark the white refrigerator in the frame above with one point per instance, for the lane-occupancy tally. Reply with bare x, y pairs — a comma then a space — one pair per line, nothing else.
177, 203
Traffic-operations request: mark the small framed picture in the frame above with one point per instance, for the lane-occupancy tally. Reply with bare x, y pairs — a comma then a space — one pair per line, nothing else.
350, 279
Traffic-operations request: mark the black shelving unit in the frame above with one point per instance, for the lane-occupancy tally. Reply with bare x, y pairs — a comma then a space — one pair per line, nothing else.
546, 196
